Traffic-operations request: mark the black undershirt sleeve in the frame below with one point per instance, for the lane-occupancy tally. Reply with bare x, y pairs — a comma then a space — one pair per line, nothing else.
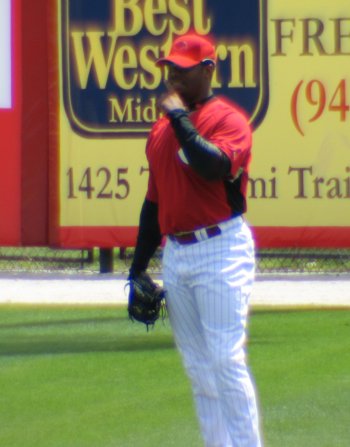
148, 239
204, 157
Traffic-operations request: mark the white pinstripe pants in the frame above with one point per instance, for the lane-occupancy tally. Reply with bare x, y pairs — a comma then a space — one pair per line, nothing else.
208, 286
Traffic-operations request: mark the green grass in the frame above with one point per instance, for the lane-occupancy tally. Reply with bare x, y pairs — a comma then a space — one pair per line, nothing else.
87, 377
301, 361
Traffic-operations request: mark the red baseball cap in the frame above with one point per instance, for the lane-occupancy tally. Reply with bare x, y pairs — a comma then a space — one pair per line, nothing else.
190, 50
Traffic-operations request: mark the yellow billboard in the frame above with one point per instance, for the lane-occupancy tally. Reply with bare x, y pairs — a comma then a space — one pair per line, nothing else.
287, 64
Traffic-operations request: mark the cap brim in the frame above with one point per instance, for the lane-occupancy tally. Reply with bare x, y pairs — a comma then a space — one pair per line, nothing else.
180, 61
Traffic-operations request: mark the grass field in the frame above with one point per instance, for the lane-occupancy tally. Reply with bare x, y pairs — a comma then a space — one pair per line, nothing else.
87, 377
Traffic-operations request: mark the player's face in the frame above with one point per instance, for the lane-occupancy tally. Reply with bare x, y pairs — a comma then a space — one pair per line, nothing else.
192, 84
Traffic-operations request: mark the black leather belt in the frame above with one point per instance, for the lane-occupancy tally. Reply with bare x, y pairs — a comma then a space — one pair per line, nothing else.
192, 237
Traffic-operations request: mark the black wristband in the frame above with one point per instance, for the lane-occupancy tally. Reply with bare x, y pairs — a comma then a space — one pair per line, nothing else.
177, 113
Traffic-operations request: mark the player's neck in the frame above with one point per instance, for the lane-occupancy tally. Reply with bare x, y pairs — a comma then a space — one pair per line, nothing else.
195, 104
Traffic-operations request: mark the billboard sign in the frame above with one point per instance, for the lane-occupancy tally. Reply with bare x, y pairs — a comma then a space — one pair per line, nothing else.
286, 64
109, 48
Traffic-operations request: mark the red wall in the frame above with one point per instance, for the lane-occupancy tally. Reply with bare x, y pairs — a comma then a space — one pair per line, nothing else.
10, 144
24, 131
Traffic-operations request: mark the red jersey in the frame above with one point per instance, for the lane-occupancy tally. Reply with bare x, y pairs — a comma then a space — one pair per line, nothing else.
186, 201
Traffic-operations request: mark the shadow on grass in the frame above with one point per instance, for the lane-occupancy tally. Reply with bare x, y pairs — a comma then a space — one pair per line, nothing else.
61, 322
85, 335
81, 346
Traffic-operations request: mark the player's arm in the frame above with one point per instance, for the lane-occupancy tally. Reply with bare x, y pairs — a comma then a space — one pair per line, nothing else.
204, 157
148, 239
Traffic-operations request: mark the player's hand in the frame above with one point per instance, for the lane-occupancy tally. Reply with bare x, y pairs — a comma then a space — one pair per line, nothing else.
170, 101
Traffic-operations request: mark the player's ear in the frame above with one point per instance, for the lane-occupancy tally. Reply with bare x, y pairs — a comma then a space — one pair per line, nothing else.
209, 67
209, 71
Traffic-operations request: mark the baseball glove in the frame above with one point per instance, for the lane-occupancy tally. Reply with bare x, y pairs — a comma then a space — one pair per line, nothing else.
145, 299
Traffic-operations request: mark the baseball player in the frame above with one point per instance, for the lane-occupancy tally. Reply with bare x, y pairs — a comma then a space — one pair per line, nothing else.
199, 154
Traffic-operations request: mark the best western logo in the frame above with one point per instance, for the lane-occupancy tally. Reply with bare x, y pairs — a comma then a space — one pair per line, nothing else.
109, 48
